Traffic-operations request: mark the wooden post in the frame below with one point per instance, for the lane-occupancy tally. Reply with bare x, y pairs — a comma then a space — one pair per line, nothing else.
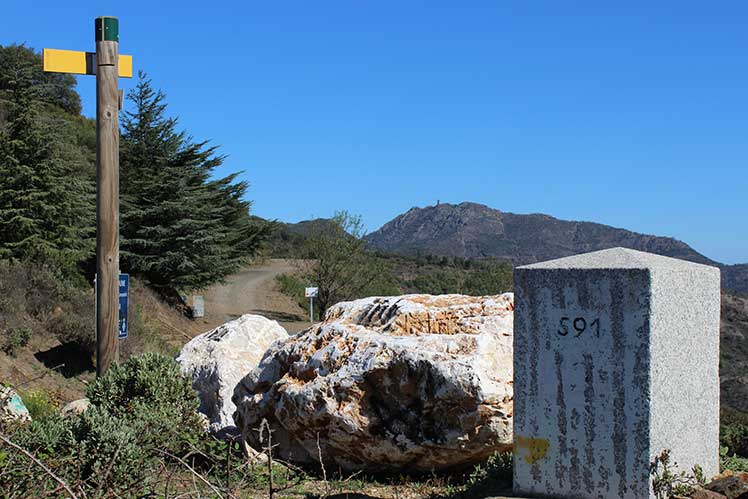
107, 191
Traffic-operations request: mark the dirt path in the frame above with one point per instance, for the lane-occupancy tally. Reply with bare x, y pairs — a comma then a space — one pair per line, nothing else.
254, 290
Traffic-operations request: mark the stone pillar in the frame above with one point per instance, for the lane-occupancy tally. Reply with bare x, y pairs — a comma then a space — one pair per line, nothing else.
616, 357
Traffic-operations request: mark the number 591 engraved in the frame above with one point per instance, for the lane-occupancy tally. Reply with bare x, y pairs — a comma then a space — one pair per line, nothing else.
578, 326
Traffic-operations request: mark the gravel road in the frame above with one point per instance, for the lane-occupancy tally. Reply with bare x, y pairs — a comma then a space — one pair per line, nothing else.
254, 290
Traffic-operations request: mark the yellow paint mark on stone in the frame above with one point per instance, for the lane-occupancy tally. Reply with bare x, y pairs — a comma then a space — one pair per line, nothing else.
537, 448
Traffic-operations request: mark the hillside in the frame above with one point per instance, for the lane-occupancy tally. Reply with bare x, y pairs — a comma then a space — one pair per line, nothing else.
286, 239
734, 352
735, 278
57, 355
475, 231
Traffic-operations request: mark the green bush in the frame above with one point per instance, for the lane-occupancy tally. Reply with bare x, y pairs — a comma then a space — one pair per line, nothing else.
293, 287
733, 431
492, 476
139, 410
667, 483
36, 298
436, 283
15, 338
150, 394
39, 403
732, 463
491, 278
106, 442
93, 448
47, 437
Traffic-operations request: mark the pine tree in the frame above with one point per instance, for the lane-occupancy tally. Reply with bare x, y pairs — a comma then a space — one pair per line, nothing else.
46, 197
57, 89
181, 229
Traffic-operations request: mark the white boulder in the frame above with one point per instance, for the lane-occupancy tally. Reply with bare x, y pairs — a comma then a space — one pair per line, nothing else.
408, 383
217, 360
76, 407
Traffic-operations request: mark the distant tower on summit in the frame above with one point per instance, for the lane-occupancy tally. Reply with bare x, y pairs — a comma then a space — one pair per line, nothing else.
437, 202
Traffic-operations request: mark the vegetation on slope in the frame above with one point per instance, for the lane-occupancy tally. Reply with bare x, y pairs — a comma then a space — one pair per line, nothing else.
335, 258
46, 167
182, 227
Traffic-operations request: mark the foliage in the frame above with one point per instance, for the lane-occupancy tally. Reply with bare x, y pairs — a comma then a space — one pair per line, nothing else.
438, 282
339, 264
140, 410
291, 285
496, 472
141, 437
58, 89
150, 394
39, 402
667, 483
444, 275
108, 443
35, 298
15, 338
489, 278
731, 462
181, 229
46, 192
733, 431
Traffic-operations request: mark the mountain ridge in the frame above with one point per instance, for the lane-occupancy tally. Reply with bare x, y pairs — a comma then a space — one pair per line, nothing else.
472, 230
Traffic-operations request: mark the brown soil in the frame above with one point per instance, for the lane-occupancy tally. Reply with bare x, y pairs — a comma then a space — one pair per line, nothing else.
46, 364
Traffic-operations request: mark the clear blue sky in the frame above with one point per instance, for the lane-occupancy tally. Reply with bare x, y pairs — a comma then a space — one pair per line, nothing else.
633, 114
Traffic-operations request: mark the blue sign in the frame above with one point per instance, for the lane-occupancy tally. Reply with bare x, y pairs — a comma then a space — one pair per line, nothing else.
124, 299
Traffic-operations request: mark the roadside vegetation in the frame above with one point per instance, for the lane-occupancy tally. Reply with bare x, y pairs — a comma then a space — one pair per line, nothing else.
142, 436
333, 257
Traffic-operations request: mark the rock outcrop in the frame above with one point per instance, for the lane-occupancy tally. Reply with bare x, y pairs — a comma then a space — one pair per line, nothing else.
411, 383
217, 360
12, 407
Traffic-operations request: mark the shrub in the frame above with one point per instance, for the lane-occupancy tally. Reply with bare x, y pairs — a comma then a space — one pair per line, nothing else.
491, 278
494, 475
47, 437
139, 410
150, 394
733, 431
292, 286
667, 483
107, 444
39, 403
436, 283
732, 463
15, 338
93, 448
36, 298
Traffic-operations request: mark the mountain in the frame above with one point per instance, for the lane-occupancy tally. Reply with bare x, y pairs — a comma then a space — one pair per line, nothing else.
471, 230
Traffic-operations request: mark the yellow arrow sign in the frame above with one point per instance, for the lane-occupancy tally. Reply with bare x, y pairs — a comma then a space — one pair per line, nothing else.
82, 63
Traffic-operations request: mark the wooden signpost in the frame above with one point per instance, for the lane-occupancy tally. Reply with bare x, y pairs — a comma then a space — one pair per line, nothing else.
107, 64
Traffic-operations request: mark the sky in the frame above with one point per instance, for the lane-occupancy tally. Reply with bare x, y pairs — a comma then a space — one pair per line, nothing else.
632, 114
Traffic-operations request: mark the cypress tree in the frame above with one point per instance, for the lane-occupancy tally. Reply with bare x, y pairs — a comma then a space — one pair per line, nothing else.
181, 229
46, 196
